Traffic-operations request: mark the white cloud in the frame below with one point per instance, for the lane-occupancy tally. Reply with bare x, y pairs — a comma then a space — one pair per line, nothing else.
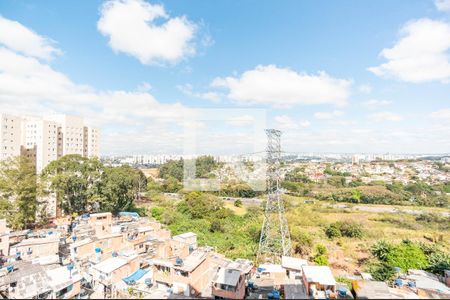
374, 104
29, 86
19, 38
146, 31
420, 55
188, 90
442, 5
241, 121
365, 88
385, 116
328, 115
286, 122
443, 114
283, 87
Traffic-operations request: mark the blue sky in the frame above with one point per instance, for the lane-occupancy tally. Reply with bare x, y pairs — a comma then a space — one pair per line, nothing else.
137, 68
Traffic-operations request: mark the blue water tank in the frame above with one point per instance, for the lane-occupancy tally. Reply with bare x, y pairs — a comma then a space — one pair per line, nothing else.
398, 282
98, 250
178, 261
74, 238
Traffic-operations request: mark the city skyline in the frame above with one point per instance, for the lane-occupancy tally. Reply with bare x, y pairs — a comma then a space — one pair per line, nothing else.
349, 77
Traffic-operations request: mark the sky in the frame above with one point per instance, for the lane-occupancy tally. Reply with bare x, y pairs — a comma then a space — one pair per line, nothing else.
335, 76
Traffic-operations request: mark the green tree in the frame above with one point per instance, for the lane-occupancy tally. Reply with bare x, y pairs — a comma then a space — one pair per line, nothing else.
74, 179
171, 185
118, 188
19, 191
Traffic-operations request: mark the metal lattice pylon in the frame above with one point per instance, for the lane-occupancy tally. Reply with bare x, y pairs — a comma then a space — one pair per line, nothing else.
275, 240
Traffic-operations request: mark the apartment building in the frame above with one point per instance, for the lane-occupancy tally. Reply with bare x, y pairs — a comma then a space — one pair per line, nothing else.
47, 139
40, 141
91, 140
10, 136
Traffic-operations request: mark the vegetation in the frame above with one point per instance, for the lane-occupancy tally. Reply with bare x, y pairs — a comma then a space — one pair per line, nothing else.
19, 190
344, 229
408, 255
79, 184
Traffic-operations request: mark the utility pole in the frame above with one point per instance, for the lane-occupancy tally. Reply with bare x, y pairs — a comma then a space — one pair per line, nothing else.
275, 239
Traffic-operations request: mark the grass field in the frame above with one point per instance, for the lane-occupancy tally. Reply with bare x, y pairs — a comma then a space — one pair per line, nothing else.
350, 254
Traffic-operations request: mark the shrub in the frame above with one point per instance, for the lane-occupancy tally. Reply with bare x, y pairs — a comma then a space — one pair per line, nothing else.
345, 228
321, 260
216, 226
321, 249
332, 231
238, 203
406, 255
382, 272
157, 212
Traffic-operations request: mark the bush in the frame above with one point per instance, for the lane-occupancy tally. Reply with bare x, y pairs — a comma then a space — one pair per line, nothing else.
382, 272
406, 255
321, 260
321, 249
157, 212
345, 228
238, 203
332, 231
216, 226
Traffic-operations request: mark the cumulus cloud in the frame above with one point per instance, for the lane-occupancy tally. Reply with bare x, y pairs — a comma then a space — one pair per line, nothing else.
385, 116
241, 121
30, 86
286, 122
365, 88
284, 87
374, 104
420, 55
188, 90
443, 114
19, 38
328, 115
442, 5
146, 31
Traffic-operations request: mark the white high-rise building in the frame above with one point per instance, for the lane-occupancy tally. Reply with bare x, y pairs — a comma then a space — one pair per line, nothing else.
10, 136
72, 133
44, 140
47, 139
40, 141
91, 142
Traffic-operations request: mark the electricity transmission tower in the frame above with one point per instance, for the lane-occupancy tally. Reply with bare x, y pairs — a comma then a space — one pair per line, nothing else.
275, 240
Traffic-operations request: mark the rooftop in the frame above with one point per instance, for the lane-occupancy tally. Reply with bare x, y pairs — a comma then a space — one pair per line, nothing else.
227, 276
319, 274
37, 241
366, 289
185, 235
109, 265
293, 263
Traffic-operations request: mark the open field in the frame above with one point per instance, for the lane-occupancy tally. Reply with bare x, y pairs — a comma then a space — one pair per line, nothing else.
237, 234
350, 254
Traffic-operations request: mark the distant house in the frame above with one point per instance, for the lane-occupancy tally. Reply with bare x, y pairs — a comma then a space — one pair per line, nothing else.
32, 248
293, 266
186, 277
112, 270
367, 289
318, 280
189, 238
228, 284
